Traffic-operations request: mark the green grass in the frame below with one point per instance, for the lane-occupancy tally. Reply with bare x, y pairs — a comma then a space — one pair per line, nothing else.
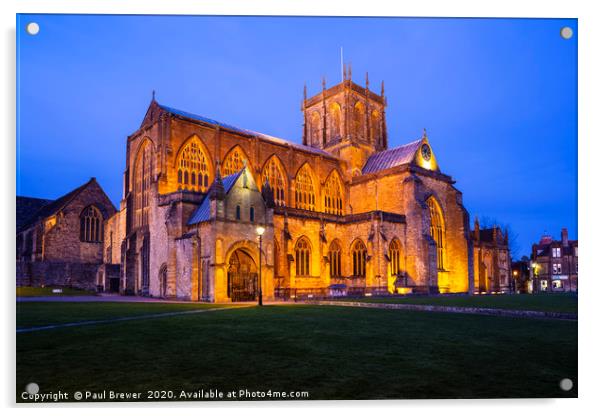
28, 291
553, 302
30, 314
331, 352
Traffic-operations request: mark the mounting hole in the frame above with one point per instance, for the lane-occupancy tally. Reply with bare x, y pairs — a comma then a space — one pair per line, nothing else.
566, 32
566, 384
32, 28
32, 388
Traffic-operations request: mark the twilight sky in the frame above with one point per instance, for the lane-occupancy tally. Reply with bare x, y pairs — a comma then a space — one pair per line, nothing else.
498, 97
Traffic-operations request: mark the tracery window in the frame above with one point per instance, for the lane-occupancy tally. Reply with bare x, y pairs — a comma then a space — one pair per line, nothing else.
142, 184
305, 197
90, 225
437, 230
394, 258
272, 172
315, 128
359, 118
333, 197
193, 168
359, 254
375, 127
302, 257
334, 257
335, 120
234, 162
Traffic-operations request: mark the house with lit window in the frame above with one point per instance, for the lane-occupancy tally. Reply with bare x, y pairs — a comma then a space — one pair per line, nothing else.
339, 213
554, 264
61, 242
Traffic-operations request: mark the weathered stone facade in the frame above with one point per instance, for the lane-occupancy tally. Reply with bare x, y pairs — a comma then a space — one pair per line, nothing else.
341, 212
492, 262
61, 242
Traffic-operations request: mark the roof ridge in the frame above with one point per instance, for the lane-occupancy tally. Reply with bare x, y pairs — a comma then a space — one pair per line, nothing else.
389, 158
57, 204
268, 137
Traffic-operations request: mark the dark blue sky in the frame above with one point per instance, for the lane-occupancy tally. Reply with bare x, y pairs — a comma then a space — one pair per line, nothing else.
498, 96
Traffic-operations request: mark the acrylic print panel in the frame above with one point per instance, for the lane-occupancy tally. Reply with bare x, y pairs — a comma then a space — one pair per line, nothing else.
295, 208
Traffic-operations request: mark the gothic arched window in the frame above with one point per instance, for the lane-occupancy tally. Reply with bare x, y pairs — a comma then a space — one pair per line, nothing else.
375, 127
315, 128
273, 173
193, 167
335, 120
303, 257
394, 258
142, 184
359, 118
359, 254
235, 160
437, 230
90, 225
334, 256
333, 196
305, 197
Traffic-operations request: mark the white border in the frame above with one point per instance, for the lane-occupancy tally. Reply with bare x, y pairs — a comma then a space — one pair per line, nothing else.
590, 137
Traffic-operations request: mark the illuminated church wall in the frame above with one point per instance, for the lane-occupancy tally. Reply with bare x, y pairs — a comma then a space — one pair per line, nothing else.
320, 199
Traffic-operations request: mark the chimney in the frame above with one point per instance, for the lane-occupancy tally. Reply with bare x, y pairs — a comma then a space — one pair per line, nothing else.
565, 237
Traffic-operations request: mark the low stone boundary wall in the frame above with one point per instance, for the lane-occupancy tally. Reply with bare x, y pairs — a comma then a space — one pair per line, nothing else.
452, 309
45, 273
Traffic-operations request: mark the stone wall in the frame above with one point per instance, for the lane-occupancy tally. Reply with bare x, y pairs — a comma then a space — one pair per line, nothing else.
114, 234
61, 241
62, 274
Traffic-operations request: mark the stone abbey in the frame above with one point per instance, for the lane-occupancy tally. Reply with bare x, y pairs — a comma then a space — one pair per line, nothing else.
343, 213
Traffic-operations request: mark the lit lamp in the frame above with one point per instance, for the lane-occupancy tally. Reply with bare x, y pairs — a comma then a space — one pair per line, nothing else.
534, 266
514, 281
260, 230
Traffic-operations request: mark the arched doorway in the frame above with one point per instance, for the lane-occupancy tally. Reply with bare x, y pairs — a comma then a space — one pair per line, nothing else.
242, 277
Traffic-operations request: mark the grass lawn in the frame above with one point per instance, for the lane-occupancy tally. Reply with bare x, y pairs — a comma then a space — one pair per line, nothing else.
552, 302
28, 291
330, 352
30, 314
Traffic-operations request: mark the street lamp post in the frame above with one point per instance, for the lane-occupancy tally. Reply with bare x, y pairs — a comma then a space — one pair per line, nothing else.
534, 273
515, 278
260, 230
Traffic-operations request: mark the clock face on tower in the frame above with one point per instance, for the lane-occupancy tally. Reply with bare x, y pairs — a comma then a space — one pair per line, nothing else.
426, 152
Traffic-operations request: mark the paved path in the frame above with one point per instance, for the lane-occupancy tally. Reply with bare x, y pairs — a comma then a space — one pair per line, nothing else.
127, 318
451, 309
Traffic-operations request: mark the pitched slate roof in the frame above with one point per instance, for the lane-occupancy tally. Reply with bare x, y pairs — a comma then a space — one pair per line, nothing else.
53, 207
544, 249
392, 157
27, 208
203, 212
243, 131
